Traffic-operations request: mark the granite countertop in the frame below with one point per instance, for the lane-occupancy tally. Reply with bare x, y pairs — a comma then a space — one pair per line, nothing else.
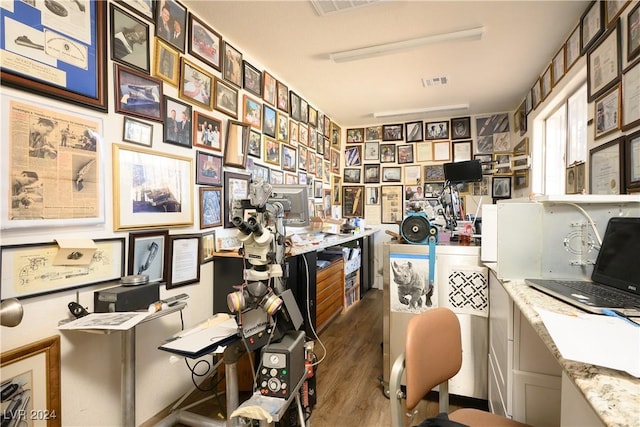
614, 395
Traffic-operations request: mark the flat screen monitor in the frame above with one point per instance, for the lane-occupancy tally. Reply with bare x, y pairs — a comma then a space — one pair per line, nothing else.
467, 171
295, 201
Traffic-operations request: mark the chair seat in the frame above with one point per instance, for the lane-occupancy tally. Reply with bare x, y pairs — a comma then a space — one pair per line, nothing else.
478, 418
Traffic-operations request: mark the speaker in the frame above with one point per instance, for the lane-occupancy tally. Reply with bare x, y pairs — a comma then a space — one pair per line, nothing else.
417, 229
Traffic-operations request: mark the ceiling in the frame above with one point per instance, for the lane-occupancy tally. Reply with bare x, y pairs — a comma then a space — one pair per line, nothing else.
291, 41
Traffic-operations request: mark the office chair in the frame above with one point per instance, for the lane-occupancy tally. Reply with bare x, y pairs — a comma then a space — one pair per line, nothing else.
433, 355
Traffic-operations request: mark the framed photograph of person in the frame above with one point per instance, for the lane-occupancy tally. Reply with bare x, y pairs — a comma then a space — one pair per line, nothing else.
304, 111
282, 129
177, 122
251, 79
607, 112
336, 135
373, 133
387, 153
208, 246
293, 130
183, 256
606, 166
269, 89
147, 250
276, 176
259, 171
355, 135
436, 130
207, 131
353, 201
290, 178
271, 151
254, 148
143, 8
557, 66
327, 127
294, 102
210, 207
236, 187
137, 131
461, 128
302, 157
166, 63
392, 174
352, 175
138, 94
405, 153
632, 161
572, 49
268, 121
570, 180
630, 96
205, 43
129, 39
371, 151
313, 139
501, 187
252, 112
335, 161
633, 33
313, 117
392, 132
208, 169
232, 69
591, 25
171, 23
289, 158
237, 141
225, 98
414, 131
326, 149
604, 63
196, 85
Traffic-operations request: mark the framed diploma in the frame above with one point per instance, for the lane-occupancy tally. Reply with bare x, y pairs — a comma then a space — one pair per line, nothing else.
607, 113
604, 65
632, 159
591, 24
56, 50
605, 168
631, 97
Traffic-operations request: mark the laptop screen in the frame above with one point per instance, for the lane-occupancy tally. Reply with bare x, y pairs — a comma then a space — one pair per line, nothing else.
618, 262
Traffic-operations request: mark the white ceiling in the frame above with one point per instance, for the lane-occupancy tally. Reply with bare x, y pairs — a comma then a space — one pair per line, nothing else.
292, 42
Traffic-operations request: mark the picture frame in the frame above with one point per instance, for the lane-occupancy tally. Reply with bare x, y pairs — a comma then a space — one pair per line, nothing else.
166, 62
441, 151
268, 121
259, 171
371, 174
196, 85
393, 132
413, 130
252, 112
336, 194
604, 64
137, 132
177, 122
436, 130
138, 187
536, 94
391, 174
171, 23
502, 164
225, 98
355, 135
335, 135
546, 83
353, 155
558, 66
129, 39
317, 189
433, 173
207, 132
373, 195
424, 151
412, 175
335, 161
580, 177
184, 256
208, 246
138, 94
462, 150
486, 163
254, 147
235, 147
84, 82
289, 158
572, 49
236, 187
313, 117
606, 166
630, 95
607, 114
570, 180
251, 79
282, 127
269, 91
520, 119
302, 157
591, 25
391, 204
521, 179
461, 128
271, 151
210, 207
613, 9
33, 263
632, 161
371, 150
633, 37
205, 43
232, 65
147, 254
304, 111
36, 367
373, 133
520, 158
290, 178
276, 176
501, 187
353, 201
208, 169
327, 127
292, 106
405, 153
143, 8
387, 153
352, 175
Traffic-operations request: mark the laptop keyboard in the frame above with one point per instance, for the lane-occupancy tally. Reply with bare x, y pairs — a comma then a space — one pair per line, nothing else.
606, 294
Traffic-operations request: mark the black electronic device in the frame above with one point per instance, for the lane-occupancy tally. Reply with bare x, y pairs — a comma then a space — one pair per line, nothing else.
126, 298
417, 229
467, 171
77, 310
283, 365
295, 202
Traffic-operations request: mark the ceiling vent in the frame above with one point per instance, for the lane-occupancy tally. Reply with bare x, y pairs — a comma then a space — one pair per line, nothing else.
434, 81
331, 7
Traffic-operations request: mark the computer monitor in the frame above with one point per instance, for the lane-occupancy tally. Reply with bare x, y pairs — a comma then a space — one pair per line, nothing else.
467, 171
295, 201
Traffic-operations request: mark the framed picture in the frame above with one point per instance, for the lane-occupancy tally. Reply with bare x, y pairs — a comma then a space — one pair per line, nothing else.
355, 135
196, 85
269, 93
232, 69
210, 207
335, 161
391, 204
336, 135
441, 151
546, 83
436, 130
520, 119
313, 117
371, 174
632, 160
424, 151
461, 128
166, 63
282, 128
373, 195
558, 66
138, 94
613, 9
304, 111
205, 43
633, 34
237, 141
177, 122
293, 131
252, 112
225, 98
268, 121
570, 180
283, 103
259, 171
392, 132
289, 157
387, 153
139, 185
147, 250
607, 112
433, 173
137, 131
251, 79
502, 162
353, 201
606, 166
207, 246
520, 180
536, 94
391, 174
572, 49
486, 163
171, 23
81, 78
35, 367
271, 151
144, 8
236, 187
501, 187
208, 169
591, 24
371, 151
373, 133
352, 175
276, 176
604, 65
405, 153
353, 155
317, 189
254, 147
184, 260
28, 270
630, 96
462, 150
129, 39
520, 157
302, 157
414, 131
207, 131
336, 195
291, 178
412, 175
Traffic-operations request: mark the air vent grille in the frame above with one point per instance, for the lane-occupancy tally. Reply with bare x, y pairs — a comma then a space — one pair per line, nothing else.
330, 7
434, 81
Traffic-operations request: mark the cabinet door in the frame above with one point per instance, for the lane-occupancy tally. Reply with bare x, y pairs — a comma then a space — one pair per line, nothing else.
536, 399
500, 342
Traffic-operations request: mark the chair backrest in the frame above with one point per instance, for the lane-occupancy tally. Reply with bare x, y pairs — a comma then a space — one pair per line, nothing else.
433, 352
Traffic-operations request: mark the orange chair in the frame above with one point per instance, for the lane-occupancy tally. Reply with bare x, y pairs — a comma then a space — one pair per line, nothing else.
433, 355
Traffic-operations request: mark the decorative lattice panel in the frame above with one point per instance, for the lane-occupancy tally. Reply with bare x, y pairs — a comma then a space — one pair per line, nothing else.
468, 290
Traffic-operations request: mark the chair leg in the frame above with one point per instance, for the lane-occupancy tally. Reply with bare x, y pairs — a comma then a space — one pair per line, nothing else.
395, 391
443, 398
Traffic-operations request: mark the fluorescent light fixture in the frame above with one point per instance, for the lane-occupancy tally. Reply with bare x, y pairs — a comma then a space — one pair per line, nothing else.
387, 48
420, 110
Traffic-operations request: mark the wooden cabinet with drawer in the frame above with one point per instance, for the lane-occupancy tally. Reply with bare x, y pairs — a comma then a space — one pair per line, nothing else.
329, 292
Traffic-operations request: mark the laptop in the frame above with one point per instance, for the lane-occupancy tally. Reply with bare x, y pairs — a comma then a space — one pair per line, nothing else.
615, 280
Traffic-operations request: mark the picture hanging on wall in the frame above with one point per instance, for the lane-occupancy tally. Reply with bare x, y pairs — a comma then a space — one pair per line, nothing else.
166, 63
606, 166
183, 253
461, 128
392, 132
414, 131
232, 65
604, 63
205, 43
591, 25
353, 201
207, 131
225, 98
171, 23
147, 251
269, 93
129, 39
633, 37
251, 79
436, 130
138, 94
196, 85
